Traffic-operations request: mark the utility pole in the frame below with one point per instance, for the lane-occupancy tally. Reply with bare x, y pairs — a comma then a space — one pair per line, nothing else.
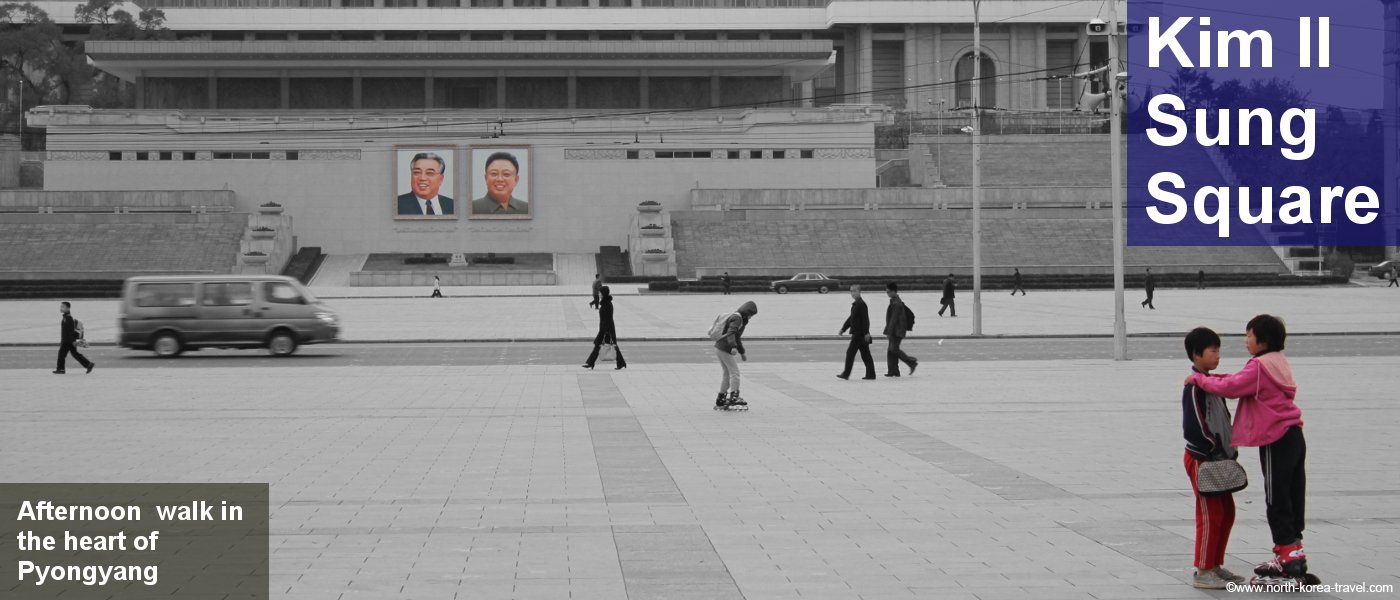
1115, 138
977, 167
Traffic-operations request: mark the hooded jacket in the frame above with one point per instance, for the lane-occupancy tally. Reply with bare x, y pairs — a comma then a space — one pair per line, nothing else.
734, 328
1266, 391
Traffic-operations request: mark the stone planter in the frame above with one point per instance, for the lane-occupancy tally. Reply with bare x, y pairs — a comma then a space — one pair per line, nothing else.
653, 232
270, 210
649, 208
263, 235
653, 257
255, 259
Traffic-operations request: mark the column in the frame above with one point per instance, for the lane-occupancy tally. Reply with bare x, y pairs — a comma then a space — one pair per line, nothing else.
213, 89
809, 89
645, 88
1042, 100
140, 92
865, 65
500, 89
285, 93
911, 68
938, 70
714, 89
573, 89
428, 89
357, 94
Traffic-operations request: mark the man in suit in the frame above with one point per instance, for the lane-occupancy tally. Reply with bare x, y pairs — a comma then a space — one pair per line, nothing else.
948, 296
859, 325
502, 175
896, 327
68, 341
427, 171
1149, 285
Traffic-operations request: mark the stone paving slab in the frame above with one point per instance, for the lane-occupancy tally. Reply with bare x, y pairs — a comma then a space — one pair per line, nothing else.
1339, 309
986, 480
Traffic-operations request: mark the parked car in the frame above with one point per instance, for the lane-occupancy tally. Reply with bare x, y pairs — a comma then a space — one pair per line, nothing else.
169, 314
806, 282
1382, 270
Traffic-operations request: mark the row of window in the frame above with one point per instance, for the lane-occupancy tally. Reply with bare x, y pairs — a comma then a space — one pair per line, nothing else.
731, 154
486, 3
230, 155
213, 294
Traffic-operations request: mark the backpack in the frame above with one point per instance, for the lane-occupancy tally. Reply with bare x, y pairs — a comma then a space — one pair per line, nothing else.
908, 317
82, 335
717, 328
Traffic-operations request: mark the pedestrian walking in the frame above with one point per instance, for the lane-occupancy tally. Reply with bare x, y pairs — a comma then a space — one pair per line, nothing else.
70, 335
597, 290
1269, 417
897, 323
1205, 422
859, 326
1394, 274
724, 280
1149, 284
607, 331
437, 287
728, 333
1016, 283
949, 285
1201, 279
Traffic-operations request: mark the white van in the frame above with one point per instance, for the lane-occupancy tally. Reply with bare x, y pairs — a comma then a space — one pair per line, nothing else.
169, 314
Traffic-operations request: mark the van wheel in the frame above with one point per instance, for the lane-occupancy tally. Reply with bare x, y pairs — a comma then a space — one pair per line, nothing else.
281, 343
167, 345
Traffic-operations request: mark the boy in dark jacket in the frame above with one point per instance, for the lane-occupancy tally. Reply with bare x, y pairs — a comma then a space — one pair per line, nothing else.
729, 346
68, 341
1205, 423
896, 327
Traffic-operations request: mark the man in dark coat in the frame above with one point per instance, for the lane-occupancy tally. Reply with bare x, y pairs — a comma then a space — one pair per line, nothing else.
68, 341
597, 285
1149, 285
607, 330
896, 327
859, 325
724, 279
948, 294
1016, 283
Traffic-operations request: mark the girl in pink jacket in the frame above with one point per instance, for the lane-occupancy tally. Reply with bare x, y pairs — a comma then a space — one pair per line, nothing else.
1268, 418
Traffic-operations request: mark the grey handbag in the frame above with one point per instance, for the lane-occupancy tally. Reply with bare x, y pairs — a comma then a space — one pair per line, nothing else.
1219, 476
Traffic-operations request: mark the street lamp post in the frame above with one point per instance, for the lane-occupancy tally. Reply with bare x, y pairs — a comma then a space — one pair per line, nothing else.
1115, 134
977, 168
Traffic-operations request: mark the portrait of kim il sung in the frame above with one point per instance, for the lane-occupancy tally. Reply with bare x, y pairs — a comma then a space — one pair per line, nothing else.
500, 182
423, 183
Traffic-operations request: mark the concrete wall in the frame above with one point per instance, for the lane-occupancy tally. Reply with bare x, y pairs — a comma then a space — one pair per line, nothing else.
584, 187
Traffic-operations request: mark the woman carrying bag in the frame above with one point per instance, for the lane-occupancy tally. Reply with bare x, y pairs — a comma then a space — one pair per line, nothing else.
607, 332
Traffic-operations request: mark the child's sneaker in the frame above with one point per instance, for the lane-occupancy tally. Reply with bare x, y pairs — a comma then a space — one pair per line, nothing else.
1208, 580
1288, 561
1225, 574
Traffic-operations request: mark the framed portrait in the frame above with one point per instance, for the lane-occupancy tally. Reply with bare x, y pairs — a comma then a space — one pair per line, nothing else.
425, 182
499, 179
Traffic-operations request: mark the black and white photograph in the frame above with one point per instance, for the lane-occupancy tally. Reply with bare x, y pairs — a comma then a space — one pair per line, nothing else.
699, 299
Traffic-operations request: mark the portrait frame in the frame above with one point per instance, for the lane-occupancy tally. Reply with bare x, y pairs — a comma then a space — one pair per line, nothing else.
478, 186
403, 206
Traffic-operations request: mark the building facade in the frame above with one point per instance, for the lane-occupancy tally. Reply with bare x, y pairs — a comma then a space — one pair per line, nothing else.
317, 104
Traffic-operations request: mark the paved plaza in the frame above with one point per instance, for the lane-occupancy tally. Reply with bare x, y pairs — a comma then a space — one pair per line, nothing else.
1044, 479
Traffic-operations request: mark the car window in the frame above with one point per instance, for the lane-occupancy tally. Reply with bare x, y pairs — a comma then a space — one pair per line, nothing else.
277, 292
165, 294
228, 294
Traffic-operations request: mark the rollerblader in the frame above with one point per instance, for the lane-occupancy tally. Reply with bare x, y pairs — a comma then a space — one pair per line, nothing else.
727, 332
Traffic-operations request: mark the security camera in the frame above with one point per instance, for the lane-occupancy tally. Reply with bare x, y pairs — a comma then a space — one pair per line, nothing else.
1097, 27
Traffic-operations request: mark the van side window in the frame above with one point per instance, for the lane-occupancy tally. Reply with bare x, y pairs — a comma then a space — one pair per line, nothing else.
281, 293
164, 294
228, 294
